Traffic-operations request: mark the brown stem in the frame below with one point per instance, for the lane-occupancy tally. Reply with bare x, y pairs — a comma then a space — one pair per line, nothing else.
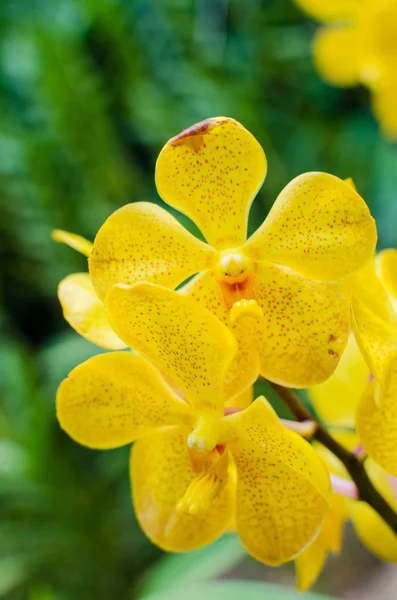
355, 467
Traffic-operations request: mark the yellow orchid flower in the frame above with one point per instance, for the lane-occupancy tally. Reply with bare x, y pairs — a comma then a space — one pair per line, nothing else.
81, 306
286, 276
374, 305
359, 45
336, 401
86, 313
183, 495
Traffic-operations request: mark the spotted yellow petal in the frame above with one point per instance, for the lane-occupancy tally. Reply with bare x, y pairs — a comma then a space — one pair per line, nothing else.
160, 474
370, 528
77, 242
338, 55
335, 400
180, 337
244, 369
386, 263
310, 562
283, 488
319, 226
376, 420
85, 312
330, 10
211, 172
304, 329
142, 241
113, 399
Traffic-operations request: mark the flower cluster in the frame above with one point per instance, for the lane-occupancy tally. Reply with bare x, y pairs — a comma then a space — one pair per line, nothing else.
277, 305
358, 44
336, 402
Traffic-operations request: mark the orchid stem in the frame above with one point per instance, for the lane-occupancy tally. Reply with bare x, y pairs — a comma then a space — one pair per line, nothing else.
354, 465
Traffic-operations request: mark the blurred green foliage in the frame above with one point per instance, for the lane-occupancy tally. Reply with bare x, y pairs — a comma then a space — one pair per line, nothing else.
90, 90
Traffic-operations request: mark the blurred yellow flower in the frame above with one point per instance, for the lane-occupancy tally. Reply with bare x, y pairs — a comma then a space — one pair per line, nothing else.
286, 276
374, 305
336, 401
183, 495
359, 45
81, 307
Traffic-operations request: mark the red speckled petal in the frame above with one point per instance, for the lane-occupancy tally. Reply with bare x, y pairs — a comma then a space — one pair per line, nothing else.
180, 337
211, 172
283, 488
304, 329
244, 368
160, 474
112, 399
143, 242
319, 226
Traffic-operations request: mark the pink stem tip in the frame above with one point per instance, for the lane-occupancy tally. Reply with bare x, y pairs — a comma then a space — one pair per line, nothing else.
303, 428
343, 487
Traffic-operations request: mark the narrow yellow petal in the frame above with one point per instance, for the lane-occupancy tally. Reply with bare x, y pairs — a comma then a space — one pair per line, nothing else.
336, 399
283, 488
304, 329
211, 172
161, 473
244, 368
370, 528
318, 226
180, 337
330, 10
349, 181
376, 420
85, 312
310, 562
338, 55
143, 242
76, 242
113, 399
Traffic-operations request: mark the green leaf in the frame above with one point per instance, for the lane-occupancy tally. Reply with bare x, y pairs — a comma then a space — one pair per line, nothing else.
13, 572
197, 566
233, 590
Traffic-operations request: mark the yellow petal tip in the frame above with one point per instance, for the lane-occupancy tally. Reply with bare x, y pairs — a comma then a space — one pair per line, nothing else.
77, 242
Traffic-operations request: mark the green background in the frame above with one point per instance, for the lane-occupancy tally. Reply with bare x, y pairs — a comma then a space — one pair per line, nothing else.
90, 90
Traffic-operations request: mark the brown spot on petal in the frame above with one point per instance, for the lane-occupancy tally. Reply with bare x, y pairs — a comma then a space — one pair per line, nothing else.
193, 136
